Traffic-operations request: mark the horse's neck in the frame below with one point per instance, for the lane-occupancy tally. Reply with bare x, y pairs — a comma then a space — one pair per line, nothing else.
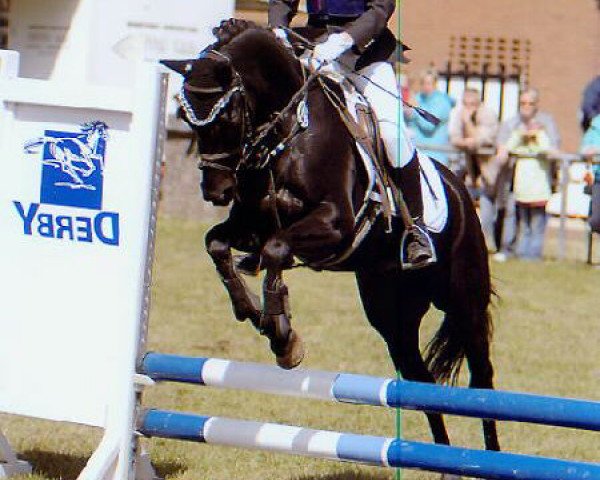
272, 88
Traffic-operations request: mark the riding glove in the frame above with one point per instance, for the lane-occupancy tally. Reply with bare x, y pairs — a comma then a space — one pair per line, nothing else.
333, 47
282, 36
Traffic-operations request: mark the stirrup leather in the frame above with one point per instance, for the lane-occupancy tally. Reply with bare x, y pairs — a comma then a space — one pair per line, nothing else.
405, 264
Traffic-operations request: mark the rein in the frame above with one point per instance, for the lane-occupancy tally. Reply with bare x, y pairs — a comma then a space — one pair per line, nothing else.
423, 113
297, 101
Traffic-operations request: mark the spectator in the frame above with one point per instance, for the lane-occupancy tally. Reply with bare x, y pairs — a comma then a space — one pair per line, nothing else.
437, 103
473, 126
590, 105
525, 183
590, 148
406, 88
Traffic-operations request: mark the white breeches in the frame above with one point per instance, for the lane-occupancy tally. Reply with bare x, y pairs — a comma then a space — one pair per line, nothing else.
388, 110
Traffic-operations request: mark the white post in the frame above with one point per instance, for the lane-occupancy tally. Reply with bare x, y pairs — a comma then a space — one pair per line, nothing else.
9, 463
77, 279
9, 64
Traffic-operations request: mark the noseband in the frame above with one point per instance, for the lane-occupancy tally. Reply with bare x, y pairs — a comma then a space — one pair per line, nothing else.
210, 160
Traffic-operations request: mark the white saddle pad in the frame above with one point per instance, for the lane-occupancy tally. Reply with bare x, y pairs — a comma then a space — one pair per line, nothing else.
435, 202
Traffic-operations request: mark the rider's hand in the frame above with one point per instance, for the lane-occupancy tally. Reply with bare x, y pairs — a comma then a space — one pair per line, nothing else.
330, 70
332, 48
282, 36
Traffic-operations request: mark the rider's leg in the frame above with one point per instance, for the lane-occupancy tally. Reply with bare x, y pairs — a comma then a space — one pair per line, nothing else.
401, 153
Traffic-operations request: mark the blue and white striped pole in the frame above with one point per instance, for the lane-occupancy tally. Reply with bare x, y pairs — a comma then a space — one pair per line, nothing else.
366, 390
380, 451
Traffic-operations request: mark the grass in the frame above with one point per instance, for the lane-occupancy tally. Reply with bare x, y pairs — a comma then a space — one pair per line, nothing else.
546, 341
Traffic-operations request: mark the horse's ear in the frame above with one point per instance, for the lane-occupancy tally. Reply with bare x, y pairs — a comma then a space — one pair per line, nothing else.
183, 67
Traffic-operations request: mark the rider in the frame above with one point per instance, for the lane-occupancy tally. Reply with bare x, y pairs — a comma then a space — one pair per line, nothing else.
359, 37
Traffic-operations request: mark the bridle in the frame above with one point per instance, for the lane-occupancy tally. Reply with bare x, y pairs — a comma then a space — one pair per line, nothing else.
254, 154
212, 160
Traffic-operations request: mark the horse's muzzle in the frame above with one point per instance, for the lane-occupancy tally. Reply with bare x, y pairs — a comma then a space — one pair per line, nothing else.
219, 199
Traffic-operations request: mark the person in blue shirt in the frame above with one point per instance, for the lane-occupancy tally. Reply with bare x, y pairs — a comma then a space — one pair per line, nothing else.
590, 105
590, 148
439, 104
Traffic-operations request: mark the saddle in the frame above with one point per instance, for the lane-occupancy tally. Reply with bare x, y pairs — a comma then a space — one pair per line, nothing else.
382, 197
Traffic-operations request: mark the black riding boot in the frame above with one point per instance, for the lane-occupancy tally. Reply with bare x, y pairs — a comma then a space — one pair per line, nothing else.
416, 250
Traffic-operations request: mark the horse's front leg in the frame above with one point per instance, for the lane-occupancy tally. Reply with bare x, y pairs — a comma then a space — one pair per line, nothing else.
245, 303
275, 321
316, 236
286, 344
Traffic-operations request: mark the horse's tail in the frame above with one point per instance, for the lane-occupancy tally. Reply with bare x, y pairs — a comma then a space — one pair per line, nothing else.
446, 351
468, 322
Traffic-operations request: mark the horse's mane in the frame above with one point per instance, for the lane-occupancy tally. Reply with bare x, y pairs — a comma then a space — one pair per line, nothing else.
243, 38
229, 29
269, 65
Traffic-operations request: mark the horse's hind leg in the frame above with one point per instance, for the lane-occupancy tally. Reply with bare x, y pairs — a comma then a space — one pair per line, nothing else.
467, 329
477, 350
245, 303
395, 310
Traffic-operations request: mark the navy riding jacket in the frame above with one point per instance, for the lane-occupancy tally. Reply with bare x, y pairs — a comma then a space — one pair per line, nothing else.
364, 20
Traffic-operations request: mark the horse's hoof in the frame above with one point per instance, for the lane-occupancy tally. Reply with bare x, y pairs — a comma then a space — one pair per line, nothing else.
294, 352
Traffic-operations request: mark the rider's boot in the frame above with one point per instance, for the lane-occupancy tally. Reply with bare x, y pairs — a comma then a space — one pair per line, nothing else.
416, 247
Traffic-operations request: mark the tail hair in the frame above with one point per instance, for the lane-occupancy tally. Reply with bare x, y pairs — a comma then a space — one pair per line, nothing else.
445, 353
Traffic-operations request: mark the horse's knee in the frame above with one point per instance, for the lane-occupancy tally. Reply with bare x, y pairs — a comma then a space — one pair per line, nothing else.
276, 254
217, 247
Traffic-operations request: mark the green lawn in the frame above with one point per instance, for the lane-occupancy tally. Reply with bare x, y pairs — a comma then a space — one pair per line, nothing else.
546, 341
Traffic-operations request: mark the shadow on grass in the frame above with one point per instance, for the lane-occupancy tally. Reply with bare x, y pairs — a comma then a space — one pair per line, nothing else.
168, 469
55, 465
62, 466
347, 475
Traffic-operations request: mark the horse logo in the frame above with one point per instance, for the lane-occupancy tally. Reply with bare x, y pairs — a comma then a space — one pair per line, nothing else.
72, 165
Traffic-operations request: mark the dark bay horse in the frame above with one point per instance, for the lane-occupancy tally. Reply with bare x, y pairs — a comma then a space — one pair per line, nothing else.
295, 194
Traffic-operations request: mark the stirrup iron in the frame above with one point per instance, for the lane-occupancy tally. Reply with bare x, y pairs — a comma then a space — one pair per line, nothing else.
404, 263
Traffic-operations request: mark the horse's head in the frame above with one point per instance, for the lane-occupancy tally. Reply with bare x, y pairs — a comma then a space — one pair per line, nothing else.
213, 102
228, 91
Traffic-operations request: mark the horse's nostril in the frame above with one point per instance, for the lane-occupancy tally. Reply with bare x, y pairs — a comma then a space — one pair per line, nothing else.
219, 198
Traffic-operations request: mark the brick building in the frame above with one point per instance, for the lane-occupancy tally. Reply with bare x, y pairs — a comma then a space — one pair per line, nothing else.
553, 45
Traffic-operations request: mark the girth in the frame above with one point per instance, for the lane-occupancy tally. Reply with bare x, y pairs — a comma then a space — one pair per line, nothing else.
381, 193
